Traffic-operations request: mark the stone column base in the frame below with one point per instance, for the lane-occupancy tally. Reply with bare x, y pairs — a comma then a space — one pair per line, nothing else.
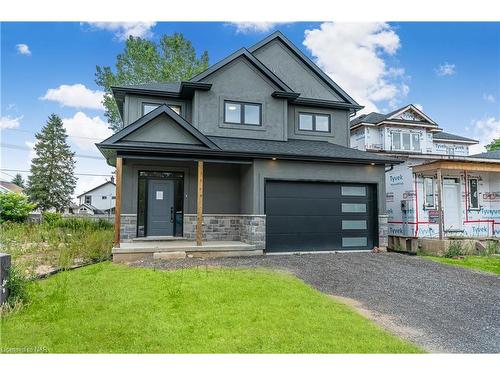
383, 232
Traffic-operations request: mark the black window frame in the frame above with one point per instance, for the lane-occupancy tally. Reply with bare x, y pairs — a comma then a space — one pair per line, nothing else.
470, 197
159, 104
314, 115
242, 112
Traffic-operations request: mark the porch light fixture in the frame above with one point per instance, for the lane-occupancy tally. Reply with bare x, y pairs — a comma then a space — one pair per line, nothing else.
372, 163
273, 158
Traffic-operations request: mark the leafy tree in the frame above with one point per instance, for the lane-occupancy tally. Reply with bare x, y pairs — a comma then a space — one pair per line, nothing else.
52, 182
14, 207
142, 61
494, 145
18, 180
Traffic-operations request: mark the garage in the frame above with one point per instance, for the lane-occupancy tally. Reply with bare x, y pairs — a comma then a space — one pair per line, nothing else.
320, 216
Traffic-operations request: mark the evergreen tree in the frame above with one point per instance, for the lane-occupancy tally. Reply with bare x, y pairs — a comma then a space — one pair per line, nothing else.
52, 182
18, 180
143, 61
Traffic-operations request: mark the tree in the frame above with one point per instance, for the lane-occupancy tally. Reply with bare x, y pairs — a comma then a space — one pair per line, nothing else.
18, 180
52, 182
14, 207
173, 59
494, 145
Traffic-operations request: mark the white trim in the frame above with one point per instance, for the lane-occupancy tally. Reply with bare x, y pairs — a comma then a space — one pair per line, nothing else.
411, 106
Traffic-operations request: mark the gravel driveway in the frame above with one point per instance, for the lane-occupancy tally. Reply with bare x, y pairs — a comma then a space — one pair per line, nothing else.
439, 307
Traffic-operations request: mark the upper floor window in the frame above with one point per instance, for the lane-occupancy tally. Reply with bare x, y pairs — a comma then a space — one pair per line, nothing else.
429, 201
242, 113
88, 199
404, 141
104, 197
473, 194
148, 107
314, 122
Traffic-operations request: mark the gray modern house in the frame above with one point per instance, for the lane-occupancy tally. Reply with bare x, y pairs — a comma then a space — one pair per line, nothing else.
257, 148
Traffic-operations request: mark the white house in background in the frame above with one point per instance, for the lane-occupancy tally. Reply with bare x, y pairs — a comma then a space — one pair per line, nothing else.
98, 200
437, 179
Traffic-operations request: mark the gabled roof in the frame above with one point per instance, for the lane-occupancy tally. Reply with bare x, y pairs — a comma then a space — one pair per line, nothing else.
10, 186
277, 35
95, 188
243, 52
162, 109
453, 137
377, 118
95, 210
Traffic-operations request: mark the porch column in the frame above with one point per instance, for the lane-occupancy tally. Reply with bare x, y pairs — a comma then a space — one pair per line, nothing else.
118, 200
440, 200
199, 206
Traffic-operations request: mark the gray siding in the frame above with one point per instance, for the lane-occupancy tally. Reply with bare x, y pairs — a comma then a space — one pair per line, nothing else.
162, 129
239, 81
132, 108
339, 125
282, 62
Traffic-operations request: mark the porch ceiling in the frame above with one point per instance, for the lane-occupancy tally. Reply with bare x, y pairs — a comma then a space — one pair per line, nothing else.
458, 166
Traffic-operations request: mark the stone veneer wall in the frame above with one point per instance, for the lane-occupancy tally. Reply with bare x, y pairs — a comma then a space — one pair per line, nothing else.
128, 227
250, 229
383, 231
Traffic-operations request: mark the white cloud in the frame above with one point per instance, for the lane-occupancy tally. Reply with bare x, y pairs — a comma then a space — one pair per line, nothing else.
419, 106
254, 27
446, 69
76, 96
23, 49
485, 131
123, 30
8, 122
489, 98
85, 131
353, 54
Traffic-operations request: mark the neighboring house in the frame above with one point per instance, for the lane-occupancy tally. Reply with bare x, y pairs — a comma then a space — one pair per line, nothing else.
9, 187
98, 200
437, 179
267, 134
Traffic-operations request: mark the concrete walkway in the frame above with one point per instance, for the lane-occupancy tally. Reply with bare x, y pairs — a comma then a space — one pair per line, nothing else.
439, 307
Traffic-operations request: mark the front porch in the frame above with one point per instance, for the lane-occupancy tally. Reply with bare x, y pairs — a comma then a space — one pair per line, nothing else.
168, 208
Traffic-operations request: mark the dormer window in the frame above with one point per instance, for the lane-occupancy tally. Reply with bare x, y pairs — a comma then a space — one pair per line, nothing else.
314, 122
148, 107
242, 113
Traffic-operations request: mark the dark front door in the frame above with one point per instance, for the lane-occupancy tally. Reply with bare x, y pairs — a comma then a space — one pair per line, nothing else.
160, 213
319, 216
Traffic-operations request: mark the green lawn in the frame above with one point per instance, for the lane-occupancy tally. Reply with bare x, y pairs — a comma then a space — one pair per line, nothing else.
483, 263
109, 308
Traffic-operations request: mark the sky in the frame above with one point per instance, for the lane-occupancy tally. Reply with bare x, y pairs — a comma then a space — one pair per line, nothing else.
450, 70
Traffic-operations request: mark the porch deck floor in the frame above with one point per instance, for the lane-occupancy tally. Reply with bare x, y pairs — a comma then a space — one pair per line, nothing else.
182, 245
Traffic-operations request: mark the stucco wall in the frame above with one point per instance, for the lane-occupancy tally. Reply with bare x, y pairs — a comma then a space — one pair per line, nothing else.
239, 81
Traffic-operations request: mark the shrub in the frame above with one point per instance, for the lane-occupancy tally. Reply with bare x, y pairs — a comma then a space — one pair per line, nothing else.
52, 218
17, 285
14, 207
455, 249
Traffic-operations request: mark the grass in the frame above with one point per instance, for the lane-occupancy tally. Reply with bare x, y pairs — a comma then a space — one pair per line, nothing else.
477, 262
109, 308
39, 247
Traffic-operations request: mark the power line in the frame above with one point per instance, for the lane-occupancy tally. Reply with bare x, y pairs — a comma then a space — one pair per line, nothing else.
71, 136
26, 148
78, 174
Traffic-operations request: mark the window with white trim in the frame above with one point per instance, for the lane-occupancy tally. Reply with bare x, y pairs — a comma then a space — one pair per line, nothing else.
88, 199
405, 141
429, 194
473, 194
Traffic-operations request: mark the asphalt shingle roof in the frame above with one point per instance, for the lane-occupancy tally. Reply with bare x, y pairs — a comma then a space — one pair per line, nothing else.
451, 137
168, 87
295, 147
488, 155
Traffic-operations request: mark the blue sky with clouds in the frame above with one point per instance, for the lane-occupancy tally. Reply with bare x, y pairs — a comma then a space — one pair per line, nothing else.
452, 70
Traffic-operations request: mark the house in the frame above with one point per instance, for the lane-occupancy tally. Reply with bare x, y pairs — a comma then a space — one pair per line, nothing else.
257, 148
440, 191
9, 187
98, 200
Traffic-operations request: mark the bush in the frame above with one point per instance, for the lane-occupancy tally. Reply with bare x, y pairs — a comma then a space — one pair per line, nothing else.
14, 207
17, 285
52, 218
454, 250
